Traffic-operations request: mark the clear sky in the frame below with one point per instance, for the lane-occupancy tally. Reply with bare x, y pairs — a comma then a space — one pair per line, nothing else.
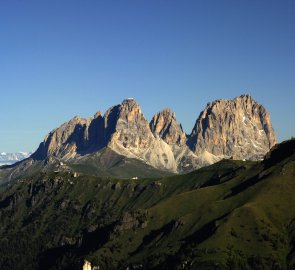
64, 58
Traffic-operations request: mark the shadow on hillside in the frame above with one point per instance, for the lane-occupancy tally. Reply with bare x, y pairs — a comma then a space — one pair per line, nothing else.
65, 257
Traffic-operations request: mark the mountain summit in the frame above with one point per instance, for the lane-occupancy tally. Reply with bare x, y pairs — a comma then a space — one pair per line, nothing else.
129, 134
165, 125
238, 129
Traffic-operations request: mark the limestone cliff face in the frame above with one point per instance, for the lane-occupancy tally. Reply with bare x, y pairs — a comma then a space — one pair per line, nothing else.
128, 133
123, 129
125, 124
74, 137
238, 128
165, 126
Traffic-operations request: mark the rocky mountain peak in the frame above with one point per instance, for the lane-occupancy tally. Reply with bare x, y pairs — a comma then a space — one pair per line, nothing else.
238, 128
65, 136
129, 102
78, 135
127, 125
244, 96
97, 114
165, 126
128, 133
130, 110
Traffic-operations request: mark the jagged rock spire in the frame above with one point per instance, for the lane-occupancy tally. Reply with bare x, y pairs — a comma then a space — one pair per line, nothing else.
165, 125
238, 128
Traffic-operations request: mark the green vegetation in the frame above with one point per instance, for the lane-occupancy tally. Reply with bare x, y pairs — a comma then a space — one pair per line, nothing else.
231, 215
104, 163
118, 166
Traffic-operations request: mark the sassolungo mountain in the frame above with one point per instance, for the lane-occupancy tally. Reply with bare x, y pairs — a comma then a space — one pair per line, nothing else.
123, 143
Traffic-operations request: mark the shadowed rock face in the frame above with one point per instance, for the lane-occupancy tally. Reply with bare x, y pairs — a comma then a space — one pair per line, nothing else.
77, 136
165, 125
240, 128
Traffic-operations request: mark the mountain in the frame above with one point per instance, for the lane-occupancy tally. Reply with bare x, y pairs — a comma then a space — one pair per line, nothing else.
238, 128
10, 158
165, 126
121, 140
230, 215
128, 133
77, 136
122, 129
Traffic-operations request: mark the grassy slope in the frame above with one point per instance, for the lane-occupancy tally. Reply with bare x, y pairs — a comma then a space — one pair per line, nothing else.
231, 215
105, 163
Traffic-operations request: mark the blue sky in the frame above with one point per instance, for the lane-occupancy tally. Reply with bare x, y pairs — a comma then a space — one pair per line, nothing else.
64, 58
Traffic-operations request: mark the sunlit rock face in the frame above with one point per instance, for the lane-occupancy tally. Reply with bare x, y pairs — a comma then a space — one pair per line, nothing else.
165, 125
238, 128
77, 136
129, 133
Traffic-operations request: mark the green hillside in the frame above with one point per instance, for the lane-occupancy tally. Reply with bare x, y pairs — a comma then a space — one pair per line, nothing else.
231, 215
103, 163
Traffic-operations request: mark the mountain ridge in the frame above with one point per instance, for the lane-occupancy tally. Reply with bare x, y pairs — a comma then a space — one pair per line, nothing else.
247, 121
240, 129
126, 128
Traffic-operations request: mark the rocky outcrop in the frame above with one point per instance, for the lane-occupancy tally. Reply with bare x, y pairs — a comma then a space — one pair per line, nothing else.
126, 125
128, 133
238, 128
131, 221
122, 129
165, 126
77, 136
